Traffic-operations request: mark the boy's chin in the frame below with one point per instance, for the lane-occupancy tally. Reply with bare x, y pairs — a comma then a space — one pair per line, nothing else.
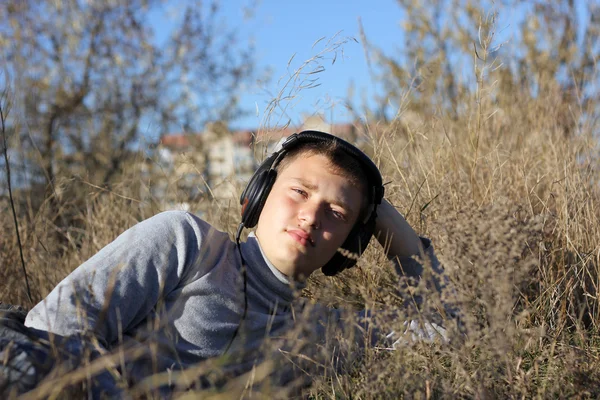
303, 272
302, 275
297, 271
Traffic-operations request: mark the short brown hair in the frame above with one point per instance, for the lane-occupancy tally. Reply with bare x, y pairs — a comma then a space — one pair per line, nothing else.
341, 163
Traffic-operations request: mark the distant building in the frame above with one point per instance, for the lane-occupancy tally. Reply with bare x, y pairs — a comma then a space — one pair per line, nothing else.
219, 162
229, 159
177, 167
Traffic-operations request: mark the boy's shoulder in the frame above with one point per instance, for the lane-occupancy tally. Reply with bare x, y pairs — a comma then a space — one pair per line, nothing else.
179, 218
183, 225
199, 245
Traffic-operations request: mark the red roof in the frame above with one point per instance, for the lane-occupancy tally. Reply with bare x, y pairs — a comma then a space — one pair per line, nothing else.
342, 130
175, 140
276, 133
243, 138
247, 137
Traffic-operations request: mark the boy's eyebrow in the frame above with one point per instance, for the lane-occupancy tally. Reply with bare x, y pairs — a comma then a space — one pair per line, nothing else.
307, 184
312, 186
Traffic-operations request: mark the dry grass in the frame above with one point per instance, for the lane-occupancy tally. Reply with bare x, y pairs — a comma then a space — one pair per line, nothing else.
518, 234
510, 202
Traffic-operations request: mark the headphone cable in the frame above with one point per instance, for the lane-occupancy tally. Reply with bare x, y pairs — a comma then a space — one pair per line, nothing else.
245, 279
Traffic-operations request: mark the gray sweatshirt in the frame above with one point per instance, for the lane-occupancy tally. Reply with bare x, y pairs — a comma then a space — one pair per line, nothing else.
172, 284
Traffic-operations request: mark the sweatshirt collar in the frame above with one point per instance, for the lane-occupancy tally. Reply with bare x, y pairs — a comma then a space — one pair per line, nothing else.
278, 274
270, 276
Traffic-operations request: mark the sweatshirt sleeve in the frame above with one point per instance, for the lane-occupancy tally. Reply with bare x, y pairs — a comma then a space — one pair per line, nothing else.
427, 326
415, 264
125, 280
426, 266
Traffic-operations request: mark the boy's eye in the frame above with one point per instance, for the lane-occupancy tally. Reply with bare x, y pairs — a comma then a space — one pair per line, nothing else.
299, 191
338, 215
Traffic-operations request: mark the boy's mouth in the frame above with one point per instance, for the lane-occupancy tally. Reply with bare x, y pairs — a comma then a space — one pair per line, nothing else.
301, 237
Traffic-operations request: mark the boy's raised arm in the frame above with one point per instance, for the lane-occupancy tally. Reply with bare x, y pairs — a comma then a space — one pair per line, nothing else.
120, 285
402, 243
397, 237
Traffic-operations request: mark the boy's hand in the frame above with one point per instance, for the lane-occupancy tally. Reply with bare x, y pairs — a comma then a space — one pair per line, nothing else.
417, 331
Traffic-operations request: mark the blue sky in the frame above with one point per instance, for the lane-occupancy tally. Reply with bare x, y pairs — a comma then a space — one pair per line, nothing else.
284, 29
281, 30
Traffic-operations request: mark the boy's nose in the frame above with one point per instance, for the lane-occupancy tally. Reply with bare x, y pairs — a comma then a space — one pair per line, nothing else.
309, 215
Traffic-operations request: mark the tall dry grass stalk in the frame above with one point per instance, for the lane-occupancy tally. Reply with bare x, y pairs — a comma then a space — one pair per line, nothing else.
511, 204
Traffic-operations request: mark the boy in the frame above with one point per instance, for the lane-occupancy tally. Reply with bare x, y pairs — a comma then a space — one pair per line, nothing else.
181, 292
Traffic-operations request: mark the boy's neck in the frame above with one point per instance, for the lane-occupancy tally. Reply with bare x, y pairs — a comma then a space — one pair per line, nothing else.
278, 274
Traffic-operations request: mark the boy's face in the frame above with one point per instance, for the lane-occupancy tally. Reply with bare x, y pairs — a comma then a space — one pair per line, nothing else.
307, 216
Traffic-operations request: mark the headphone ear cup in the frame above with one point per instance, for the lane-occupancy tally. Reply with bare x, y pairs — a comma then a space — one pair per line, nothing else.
255, 195
248, 194
355, 244
339, 261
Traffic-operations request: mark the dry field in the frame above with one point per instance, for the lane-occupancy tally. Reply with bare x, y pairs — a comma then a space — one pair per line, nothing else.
509, 201
507, 189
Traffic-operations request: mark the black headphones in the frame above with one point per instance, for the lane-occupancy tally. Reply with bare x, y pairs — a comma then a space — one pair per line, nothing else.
255, 195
